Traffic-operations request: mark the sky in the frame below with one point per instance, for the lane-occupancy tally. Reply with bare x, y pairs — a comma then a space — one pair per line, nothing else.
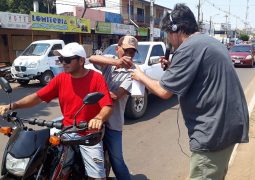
214, 9
210, 9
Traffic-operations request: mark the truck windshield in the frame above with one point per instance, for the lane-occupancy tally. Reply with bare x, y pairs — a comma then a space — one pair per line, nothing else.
139, 57
36, 49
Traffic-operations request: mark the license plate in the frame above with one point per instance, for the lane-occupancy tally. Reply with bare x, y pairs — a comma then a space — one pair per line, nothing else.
237, 61
19, 75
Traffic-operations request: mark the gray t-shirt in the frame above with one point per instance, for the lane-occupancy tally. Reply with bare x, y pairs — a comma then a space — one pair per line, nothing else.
116, 78
210, 94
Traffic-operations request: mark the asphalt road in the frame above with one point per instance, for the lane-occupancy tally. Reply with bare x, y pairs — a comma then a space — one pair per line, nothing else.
154, 148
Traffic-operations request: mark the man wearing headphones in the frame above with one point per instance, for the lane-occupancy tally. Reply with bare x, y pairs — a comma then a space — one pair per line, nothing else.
213, 104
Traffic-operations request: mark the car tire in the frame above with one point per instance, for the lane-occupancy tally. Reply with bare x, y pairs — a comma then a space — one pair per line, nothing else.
136, 106
46, 77
23, 82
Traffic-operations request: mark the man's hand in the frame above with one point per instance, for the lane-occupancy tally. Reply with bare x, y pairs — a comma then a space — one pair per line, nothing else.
95, 123
4, 109
113, 96
164, 63
136, 73
124, 62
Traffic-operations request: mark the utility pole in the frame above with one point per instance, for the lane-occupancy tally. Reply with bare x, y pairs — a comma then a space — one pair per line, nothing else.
151, 21
198, 14
129, 11
246, 17
226, 28
210, 28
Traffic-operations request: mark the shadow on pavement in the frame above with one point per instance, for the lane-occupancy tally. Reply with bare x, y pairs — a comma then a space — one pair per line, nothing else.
19, 92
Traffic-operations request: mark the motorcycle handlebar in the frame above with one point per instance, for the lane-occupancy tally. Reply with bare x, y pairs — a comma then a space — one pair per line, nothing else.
40, 122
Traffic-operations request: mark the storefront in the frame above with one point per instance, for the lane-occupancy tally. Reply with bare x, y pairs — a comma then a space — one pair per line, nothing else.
16, 35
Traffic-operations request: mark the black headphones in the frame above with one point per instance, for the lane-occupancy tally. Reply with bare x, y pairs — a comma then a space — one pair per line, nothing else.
173, 27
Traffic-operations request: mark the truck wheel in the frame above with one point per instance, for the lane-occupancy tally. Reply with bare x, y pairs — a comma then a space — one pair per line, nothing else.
46, 77
22, 82
136, 106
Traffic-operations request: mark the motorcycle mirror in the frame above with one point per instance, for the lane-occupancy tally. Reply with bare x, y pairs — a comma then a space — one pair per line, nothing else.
5, 85
90, 98
93, 98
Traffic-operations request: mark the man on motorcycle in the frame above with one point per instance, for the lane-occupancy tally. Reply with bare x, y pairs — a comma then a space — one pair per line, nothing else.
70, 87
119, 81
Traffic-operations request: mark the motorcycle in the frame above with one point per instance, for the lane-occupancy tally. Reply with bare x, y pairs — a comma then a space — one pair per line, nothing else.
6, 73
38, 155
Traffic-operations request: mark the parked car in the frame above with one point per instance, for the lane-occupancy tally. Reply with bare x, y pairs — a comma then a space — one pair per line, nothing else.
147, 58
242, 55
35, 62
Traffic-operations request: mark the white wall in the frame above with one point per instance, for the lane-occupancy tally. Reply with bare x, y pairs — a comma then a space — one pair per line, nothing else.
68, 6
111, 6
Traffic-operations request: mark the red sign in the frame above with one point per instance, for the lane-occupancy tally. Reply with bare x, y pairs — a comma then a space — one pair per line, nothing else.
95, 3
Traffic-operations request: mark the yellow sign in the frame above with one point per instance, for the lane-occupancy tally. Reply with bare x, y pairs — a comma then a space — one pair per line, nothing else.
53, 22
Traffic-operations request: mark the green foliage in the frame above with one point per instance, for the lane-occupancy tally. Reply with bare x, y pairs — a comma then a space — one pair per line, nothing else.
25, 6
244, 37
3, 5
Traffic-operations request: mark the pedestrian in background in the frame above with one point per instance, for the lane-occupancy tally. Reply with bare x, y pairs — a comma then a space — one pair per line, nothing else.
118, 79
211, 98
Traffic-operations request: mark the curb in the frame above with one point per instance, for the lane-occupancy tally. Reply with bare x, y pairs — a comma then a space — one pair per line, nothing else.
251, 105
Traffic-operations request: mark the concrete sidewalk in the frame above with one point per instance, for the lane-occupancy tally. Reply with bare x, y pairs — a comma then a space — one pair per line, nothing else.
242, 163
243, 166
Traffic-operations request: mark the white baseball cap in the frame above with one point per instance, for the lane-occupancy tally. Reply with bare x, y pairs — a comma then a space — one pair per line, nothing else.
71, 49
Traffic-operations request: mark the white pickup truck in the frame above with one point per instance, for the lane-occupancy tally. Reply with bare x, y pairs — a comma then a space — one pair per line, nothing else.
35, 62
148, 59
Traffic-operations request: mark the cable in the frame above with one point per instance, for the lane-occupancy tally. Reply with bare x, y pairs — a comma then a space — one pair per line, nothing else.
179, 133
226, 12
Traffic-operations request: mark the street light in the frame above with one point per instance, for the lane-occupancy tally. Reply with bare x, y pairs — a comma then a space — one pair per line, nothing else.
211, 17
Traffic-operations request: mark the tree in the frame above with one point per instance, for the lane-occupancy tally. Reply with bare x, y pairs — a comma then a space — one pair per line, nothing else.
3, 5
25, 6
244, 37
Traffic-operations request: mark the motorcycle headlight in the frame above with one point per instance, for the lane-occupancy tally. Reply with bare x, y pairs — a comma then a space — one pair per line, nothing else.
16, 166
32, 65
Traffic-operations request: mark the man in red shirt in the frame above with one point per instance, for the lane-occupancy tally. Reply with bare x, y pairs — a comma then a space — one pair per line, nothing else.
70, 87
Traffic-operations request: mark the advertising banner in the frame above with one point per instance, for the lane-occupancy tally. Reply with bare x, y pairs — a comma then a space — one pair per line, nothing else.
60, 23
142, 31
156, 32
15, 20
102, 27
123, 29
95, 3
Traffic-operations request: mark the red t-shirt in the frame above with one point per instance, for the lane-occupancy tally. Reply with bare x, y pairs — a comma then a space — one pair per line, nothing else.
71, 91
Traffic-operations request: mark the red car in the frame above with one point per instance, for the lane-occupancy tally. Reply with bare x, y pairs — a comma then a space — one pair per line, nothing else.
242, 55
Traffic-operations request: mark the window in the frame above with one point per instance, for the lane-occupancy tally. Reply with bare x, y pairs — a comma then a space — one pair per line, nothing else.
55, 47
140, 15
157, 51
36, 49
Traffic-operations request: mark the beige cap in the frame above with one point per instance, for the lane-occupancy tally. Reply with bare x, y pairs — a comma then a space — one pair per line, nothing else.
129, 42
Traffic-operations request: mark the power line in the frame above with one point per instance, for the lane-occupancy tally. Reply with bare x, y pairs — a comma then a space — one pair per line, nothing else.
226, 12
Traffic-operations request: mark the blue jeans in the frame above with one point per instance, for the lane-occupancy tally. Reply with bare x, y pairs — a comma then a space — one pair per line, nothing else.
113, 142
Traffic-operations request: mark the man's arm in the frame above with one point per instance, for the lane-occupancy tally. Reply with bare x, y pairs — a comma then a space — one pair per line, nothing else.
123, 62
118, 94
101, 117
26, 102
151, 84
